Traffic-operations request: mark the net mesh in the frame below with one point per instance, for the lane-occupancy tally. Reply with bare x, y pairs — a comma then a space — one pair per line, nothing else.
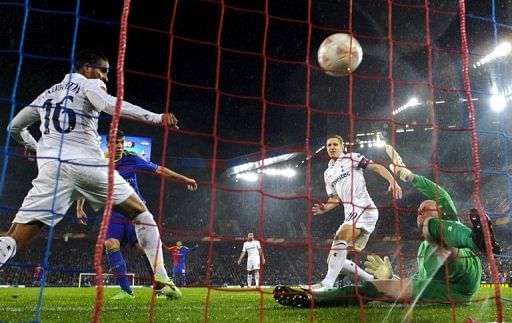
254, 111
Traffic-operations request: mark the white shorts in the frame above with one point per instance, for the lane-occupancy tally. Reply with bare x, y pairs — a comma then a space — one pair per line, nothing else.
253, 264
51, 196
364, 218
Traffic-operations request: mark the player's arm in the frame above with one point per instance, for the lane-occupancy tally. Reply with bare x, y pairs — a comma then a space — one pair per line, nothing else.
382, 171
190, 250
174, 176
80, 213
437, 193
96, 94
18, 128
242, 255
168, 248
262, 256
331, 203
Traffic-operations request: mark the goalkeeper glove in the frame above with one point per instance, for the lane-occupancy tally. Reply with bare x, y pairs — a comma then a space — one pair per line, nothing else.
380, 269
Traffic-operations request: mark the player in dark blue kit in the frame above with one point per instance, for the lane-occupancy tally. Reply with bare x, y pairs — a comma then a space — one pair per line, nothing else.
120, 230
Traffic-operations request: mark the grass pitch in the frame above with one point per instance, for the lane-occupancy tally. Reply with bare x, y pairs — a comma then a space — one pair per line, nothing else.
228, 305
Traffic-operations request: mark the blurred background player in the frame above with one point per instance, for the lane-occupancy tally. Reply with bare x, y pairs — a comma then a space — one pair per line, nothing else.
345, 184
120, 230
449, 271
38, 275
71, 164
255, 257
178, 252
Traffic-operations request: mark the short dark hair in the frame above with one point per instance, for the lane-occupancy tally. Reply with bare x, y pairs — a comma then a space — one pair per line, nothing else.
337, 137
119, 135
89, 56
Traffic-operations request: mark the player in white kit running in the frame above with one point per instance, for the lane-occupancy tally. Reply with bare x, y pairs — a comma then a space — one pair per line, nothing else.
71, 164
345, 184
254, 254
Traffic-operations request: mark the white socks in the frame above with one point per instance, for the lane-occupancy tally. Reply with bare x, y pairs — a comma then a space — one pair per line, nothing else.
249, 280
350, 268
7, 249
336, 262
257, 279
149, 239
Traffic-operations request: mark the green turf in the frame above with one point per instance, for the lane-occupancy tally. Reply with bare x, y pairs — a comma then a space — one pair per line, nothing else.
231, 305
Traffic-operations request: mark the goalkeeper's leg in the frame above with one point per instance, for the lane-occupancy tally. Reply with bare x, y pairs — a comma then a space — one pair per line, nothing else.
345, 296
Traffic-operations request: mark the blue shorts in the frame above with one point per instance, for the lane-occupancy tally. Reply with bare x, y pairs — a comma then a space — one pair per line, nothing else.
122, 229
178, 269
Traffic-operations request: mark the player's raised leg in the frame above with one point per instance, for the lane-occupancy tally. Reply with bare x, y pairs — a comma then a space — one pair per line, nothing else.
18, 238
149, 239
117, 262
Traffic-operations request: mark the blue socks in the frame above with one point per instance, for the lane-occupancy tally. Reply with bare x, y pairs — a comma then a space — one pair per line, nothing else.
118, 268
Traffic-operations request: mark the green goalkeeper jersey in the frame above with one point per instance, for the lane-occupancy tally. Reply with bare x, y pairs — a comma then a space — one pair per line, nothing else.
464, 270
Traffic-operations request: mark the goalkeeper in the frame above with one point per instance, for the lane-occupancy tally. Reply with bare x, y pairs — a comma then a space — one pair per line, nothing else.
447, 242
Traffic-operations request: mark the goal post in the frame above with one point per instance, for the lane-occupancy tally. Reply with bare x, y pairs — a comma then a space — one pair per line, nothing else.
109, 280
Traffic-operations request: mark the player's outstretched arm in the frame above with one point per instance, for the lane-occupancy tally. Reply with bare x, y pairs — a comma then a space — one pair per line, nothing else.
320, 208
97, 95
393, 185
172, 175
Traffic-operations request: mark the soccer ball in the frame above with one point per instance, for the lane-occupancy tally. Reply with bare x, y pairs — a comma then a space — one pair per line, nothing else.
339, 54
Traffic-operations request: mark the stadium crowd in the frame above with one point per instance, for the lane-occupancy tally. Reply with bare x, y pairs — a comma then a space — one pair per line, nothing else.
286, 264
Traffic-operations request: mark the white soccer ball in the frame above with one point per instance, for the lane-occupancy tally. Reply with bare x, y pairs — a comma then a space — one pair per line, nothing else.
339, 54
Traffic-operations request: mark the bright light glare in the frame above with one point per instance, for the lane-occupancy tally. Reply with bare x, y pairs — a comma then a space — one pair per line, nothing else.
497, 102
412, 102
253, 177
250, 177
286, 172
380, 143
501, 50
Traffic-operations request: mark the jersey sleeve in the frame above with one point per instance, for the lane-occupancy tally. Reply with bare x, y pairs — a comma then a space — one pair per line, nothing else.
359, 161
258, 245
95, 91
189, 250
244, 248
18, 126
328, 187
437, 193
144, 165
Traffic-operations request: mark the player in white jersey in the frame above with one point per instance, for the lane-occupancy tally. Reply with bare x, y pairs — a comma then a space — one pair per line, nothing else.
345, 184
254, 254
71, 164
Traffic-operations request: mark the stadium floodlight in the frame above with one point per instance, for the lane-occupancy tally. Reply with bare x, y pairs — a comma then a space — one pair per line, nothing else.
253, 166
501, 50
497, 102
411, 103
249, 176
380, 143
286, 172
